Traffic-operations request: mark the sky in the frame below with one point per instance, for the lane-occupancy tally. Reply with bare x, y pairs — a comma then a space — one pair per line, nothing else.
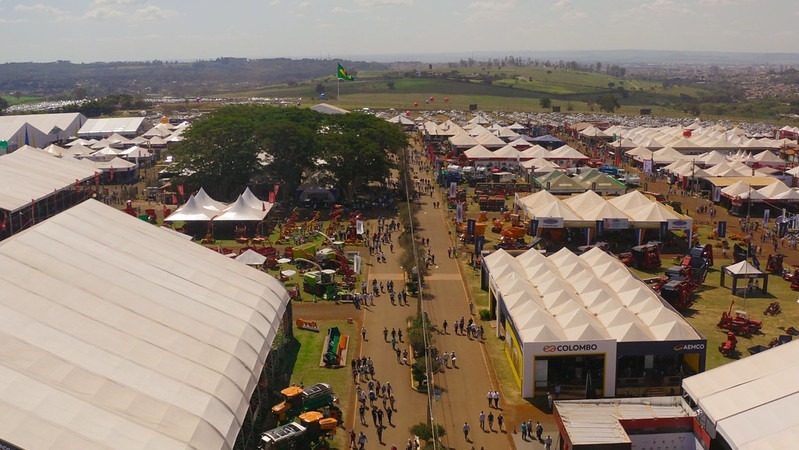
386, 30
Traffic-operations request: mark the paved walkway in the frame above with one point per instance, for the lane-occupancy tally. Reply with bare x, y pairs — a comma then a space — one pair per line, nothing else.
463, 388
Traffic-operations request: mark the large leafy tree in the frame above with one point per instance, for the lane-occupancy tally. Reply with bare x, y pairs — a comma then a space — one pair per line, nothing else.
356, 149
290, 140
220, 153
234, 145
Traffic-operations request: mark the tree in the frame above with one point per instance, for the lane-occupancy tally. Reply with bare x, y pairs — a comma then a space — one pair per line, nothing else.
290, 140
3, 104
545, 102
608, 103
390, 85
220, 153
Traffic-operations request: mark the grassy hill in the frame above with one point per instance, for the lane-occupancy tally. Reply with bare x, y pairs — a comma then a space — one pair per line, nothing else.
502, 89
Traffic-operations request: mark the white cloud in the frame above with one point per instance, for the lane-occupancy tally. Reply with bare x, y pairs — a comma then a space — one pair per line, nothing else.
118, 2
340, 10
385, 2
569, 11
274, 3
150, 12
38, 8
493, 6
657, 6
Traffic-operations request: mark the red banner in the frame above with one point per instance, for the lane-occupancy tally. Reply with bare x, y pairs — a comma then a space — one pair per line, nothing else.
97, 179
276, 189
111, 177
5, 219
180, 189
271, 197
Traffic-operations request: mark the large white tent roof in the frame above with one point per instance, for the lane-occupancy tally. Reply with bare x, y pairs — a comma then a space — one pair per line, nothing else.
191, 211
750, 402
32, 174
117, 334
586, 297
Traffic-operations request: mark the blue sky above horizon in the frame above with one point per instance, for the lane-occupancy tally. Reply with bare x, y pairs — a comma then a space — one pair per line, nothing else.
128, 30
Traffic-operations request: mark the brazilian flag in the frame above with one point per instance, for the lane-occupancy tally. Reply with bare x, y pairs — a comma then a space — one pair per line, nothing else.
342, 74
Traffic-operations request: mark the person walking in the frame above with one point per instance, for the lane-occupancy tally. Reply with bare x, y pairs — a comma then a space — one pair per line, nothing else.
385, 334
362, 440
500, 421
539, 430
482, 420
465, 431
444, 325
363, 333
524, 431
548, 443
491, 420
380, 435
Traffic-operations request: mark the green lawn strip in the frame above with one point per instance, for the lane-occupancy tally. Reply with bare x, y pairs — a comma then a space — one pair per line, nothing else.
306, 367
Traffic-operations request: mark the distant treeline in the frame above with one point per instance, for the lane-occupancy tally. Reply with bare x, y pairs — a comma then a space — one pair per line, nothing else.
64, 79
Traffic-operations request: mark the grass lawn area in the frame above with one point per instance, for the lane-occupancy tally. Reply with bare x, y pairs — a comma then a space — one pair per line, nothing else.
306, 352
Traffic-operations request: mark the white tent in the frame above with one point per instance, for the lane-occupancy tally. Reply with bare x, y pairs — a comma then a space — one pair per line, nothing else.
241, 211
749, 402
463, 141
507, 152
565, 152
479, 152
205, 201
535, 151
251, 258
489, 140
117, 334
191, 211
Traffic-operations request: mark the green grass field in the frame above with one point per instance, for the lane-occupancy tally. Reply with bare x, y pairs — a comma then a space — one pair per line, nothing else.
511, 89
12, 100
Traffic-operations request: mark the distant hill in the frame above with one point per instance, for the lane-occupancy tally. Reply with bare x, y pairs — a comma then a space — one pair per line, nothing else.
625, 57
65, 79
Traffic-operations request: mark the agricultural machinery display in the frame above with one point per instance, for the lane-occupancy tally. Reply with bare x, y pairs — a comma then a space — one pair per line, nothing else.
773, 309
643, 257
297, 400
774, 263
312, 432
727, 348
740, 323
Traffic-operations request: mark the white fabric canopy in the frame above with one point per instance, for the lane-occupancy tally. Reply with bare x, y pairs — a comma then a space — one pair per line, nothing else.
251, 257
191, 211
117, 334
241, 211
31, 174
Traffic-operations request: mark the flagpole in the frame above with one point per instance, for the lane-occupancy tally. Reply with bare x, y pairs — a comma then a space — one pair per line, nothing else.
338, 91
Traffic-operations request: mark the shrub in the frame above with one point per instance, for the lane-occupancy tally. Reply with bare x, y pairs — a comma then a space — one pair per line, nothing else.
485, 314
425, 431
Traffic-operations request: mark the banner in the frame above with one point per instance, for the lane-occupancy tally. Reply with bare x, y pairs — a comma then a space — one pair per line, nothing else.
615, 224
550, 222
271, 197
356, 264
470, 226
679, 224
766, 216
648, 166
479, 241
533, 227
459, 213
717, 194
722, 229
359, 226
453, 189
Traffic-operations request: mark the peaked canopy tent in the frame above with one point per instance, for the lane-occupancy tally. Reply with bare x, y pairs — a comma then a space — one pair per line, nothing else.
743, 271
567, 318
169, 361
242, 211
